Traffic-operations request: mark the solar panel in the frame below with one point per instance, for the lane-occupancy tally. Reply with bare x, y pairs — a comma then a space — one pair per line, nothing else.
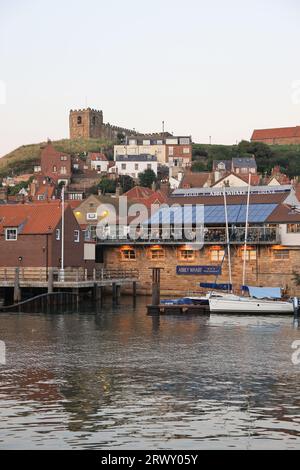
191, 214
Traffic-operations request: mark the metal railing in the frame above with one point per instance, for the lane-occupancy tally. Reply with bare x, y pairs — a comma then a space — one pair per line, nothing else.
258, 234
74, 275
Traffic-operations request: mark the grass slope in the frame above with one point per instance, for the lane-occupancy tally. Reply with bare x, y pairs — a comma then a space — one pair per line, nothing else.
25, 157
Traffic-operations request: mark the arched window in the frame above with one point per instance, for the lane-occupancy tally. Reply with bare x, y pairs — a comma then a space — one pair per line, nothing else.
79, 120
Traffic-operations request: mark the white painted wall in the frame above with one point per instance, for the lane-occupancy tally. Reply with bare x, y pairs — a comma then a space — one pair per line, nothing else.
288, 239
133, 168
156, 150
232, 181
99, 165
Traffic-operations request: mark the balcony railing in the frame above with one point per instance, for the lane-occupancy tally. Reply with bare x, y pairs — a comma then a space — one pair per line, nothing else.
208, 235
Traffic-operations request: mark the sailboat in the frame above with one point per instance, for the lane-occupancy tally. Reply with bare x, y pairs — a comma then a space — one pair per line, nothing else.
264, 300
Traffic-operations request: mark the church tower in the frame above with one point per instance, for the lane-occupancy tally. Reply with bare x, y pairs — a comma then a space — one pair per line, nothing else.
86, 124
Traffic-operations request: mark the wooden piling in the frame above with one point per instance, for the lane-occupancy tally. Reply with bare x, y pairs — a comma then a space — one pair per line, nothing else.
17, 289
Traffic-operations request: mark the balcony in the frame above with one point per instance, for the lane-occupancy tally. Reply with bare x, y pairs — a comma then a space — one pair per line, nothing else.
208, 235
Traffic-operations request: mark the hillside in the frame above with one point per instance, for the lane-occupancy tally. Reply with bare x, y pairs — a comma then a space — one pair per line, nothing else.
25, 157
287, 157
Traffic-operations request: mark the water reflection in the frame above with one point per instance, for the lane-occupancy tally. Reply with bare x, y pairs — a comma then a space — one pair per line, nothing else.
121, 379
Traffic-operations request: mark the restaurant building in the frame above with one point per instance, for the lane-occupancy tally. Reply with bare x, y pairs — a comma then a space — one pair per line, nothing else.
164, 240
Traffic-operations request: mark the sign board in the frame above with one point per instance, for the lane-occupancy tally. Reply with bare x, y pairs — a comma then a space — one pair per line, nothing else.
199, 270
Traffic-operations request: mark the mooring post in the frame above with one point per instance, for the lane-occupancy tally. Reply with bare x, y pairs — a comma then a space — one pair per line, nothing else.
134, 289
156, 285
114, 292
17, 289
118, 292
50, 280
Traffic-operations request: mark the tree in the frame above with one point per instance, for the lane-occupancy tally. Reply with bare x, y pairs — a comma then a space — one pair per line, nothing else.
126, 183
198, 166
162, 172
107, 185
147, 178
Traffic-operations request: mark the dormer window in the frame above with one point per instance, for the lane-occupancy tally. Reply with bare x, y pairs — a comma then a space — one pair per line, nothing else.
11, 234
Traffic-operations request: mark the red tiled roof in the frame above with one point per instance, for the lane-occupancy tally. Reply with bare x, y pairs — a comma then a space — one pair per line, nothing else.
275, 198
35, 218
95, 156
194, 180
138, 192
284, 214
276, 133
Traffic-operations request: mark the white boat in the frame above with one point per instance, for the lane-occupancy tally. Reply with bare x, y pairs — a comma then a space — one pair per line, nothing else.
260, 299
229, 304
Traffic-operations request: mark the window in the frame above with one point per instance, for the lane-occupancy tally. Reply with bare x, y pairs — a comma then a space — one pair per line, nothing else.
281, 254
76, 236
250, 255
149, 166
136, 166
128, 254
186, 255
54, 168
186, 150
11, 234
79, 120
146, 142
184, 140
293, 228
123, 166
63, 158
157, 253
57, 234
63, 170
217, 255
41, 197
171, 151
94, 120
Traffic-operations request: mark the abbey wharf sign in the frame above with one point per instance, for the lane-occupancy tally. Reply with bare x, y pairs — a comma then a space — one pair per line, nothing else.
198, 270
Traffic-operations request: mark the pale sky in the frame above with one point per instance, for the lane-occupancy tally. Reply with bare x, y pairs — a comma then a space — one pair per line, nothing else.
207, 68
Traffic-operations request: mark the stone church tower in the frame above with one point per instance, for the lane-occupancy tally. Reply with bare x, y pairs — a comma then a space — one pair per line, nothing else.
86, 124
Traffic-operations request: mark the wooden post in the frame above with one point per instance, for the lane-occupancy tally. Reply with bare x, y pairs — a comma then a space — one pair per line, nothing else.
156, 286
134, 289
118, 292
114, 292
50, 280
17, 289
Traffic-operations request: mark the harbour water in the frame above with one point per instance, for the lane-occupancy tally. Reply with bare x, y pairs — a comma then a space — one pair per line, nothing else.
120, 379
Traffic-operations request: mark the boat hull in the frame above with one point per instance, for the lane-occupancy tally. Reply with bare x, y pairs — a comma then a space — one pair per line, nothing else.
249, 306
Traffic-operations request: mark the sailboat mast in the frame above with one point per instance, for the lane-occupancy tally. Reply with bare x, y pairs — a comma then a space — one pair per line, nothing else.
246, 230
227, 237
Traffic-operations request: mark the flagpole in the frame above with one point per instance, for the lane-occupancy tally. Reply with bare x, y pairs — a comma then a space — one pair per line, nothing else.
227, 238
246, 230
63, 229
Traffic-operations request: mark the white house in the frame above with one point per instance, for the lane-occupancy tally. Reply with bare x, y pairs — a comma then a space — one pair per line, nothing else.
132, 165
99, 162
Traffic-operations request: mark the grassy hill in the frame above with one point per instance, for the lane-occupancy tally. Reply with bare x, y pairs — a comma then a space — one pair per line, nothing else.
287, 157
25, 157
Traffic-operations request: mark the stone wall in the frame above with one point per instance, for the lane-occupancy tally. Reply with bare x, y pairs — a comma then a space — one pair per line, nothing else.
264, 271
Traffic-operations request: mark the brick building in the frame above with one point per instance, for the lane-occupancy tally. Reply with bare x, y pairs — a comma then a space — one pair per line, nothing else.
56, 165
30, 236
277, 136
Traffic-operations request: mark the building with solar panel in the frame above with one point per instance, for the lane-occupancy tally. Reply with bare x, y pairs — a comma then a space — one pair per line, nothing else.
187, 237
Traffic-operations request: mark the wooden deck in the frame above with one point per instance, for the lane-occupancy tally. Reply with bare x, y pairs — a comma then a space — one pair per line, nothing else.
69, 278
